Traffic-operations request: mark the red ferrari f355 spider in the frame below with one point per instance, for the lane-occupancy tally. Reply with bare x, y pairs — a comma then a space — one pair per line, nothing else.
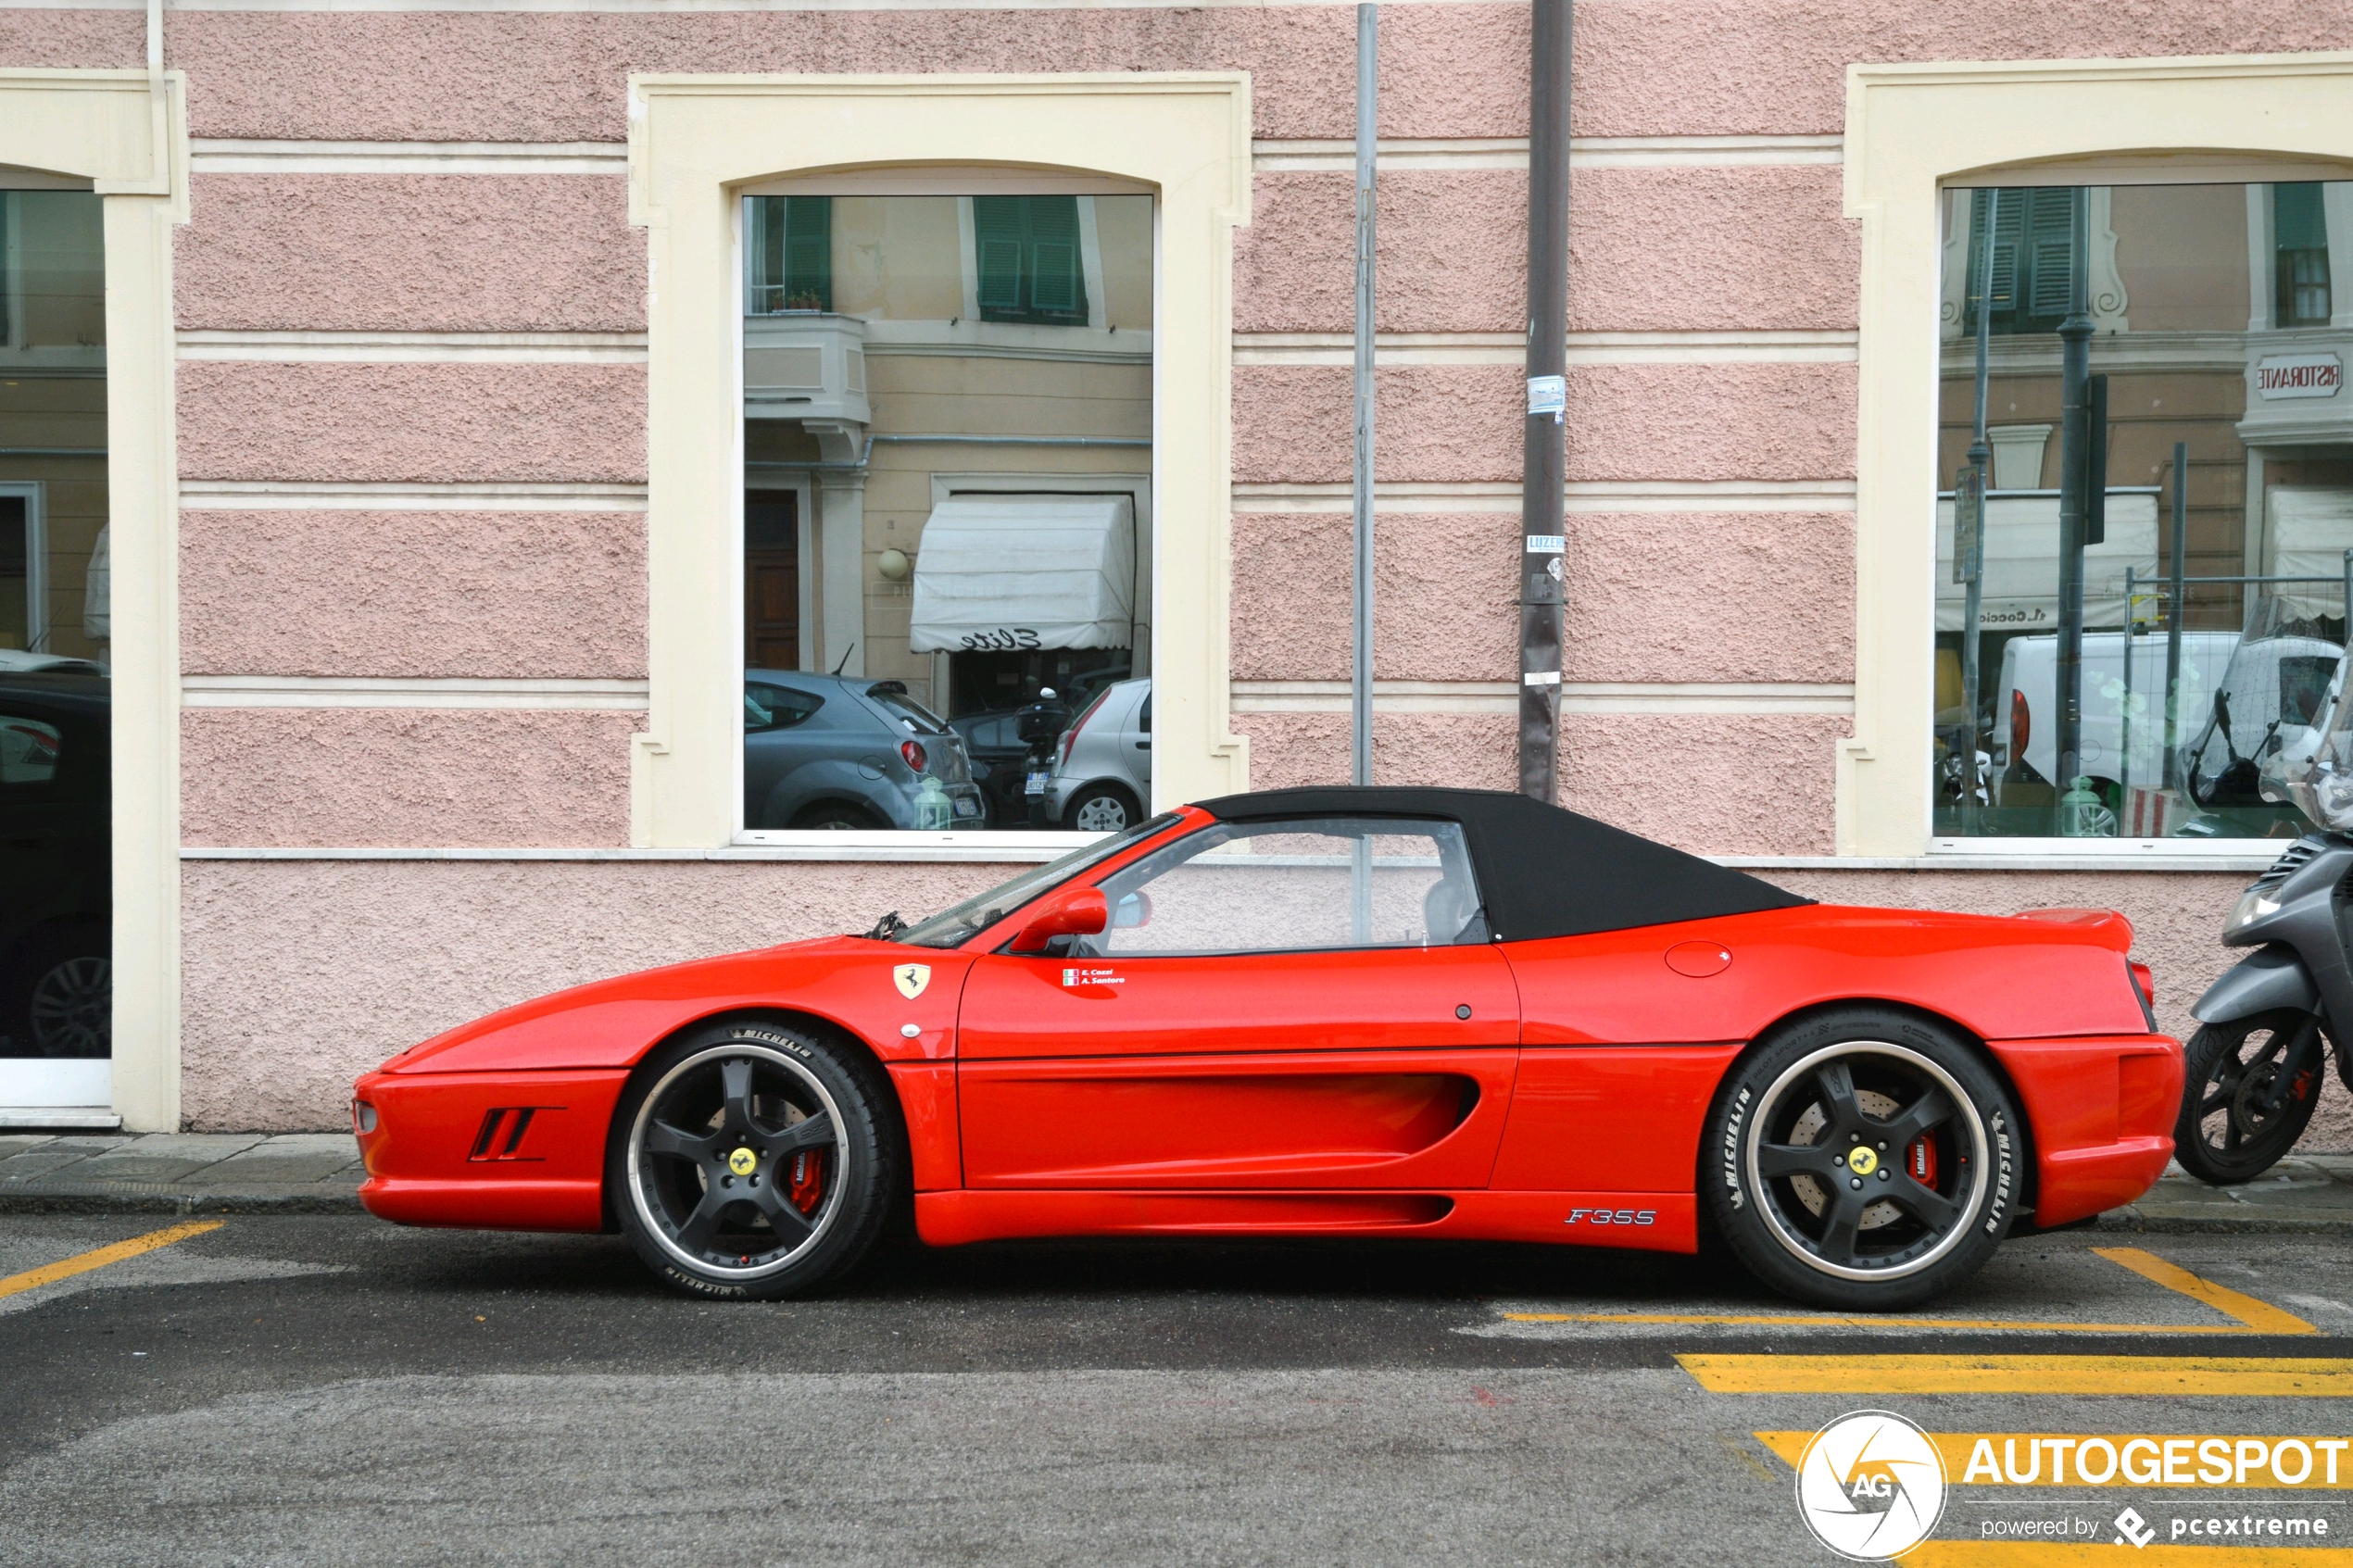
1391, 1012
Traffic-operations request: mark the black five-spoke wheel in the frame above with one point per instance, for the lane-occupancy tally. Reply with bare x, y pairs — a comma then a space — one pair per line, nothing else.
1863, 1159
2238, 1118
753, 1161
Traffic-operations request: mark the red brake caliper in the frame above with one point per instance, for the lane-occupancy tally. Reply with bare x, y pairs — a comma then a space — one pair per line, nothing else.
1919, 1160
808, 1181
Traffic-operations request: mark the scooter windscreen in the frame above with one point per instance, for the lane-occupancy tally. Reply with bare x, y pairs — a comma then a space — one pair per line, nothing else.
2263, 737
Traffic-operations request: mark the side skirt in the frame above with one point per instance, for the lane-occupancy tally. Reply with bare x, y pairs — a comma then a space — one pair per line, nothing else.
1654, 1222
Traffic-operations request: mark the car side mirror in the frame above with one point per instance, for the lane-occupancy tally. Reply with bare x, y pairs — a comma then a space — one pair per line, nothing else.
1083, 914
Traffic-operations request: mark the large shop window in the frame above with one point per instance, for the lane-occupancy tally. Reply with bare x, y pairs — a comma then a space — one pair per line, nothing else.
55, 879
947, 542
2145, 546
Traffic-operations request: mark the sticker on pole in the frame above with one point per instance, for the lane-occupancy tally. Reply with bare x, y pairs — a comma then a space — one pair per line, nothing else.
1546, 544
1871, 1485
1547, 395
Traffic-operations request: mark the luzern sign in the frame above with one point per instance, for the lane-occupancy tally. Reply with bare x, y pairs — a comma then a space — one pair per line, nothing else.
2298, 375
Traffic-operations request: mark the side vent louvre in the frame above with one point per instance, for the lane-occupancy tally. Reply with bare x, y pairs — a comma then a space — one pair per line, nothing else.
2293, 859
502, 1133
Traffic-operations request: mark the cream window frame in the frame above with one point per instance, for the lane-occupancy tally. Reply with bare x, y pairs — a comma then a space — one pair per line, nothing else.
126, 133
1909, 129
696, 142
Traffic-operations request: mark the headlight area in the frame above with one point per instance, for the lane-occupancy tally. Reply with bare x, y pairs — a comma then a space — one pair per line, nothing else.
497, 1150
2255, 904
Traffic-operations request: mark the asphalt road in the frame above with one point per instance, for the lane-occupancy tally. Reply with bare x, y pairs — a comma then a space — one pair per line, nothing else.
330, 1390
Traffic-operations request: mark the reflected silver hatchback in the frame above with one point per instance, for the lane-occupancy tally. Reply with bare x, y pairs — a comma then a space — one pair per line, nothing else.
1103, 779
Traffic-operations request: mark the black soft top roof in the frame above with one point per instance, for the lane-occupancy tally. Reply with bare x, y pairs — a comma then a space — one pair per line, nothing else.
1543, 871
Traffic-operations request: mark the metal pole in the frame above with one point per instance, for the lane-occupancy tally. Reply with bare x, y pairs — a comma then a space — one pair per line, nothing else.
1980, 457
2124, 717
2075, 438
2175, 608
1360, 693
1542, 595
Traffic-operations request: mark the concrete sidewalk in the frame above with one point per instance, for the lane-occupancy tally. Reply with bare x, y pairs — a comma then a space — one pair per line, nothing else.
320, 1174
180, 1174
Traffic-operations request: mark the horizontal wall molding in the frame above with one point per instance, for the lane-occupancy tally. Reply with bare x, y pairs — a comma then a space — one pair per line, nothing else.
1577, 697
506, 349
1785, 347
332, 691
1793, 347
241, 156
221, 494
1584, 152
223, 156
1584, 495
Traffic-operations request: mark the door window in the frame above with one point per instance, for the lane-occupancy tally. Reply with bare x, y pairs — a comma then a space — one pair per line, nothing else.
1262, 887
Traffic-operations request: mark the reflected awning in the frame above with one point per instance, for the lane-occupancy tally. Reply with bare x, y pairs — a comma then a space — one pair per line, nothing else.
1025, 572
2020, 585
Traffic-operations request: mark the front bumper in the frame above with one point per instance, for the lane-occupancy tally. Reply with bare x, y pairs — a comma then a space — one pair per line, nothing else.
488, 1151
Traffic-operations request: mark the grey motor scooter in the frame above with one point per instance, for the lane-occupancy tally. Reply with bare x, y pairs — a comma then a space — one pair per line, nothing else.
2267, 1026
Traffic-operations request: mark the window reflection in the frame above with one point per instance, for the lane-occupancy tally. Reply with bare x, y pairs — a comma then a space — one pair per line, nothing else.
947, 509
2144, 556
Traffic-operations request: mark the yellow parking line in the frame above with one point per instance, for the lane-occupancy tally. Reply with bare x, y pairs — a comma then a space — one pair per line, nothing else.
2251, 1315
2253, 1376
2103, 1554
81, 1263
2260, 1316
1889, 1321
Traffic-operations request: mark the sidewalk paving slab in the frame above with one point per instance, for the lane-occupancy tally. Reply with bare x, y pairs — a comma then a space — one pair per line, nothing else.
182, 1173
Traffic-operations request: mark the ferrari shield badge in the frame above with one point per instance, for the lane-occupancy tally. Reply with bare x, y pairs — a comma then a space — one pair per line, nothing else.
912, 979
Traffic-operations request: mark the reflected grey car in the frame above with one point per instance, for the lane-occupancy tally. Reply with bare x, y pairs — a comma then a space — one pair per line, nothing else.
1103, 778
833, 751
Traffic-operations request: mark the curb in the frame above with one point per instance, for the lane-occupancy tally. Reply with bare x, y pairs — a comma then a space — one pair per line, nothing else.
130, 1198
2128, 1221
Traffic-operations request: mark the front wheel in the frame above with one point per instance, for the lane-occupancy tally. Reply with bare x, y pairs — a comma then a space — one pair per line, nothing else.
2230, 1130
1864, 1160
751, 1161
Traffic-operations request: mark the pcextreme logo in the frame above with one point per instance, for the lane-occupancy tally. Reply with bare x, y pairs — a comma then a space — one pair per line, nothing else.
1871, 1485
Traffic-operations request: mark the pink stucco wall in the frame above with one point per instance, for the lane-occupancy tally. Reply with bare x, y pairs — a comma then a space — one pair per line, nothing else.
412, 423
410, 253
1657, 596
1656, 249
413, 594
1773, 421
392, 776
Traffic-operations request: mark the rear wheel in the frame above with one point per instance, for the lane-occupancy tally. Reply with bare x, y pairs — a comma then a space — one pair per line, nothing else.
2226, 1135
1103, 808
751, 1161
1865, 1159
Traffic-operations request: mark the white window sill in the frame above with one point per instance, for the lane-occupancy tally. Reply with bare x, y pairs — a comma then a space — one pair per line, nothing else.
2240, 857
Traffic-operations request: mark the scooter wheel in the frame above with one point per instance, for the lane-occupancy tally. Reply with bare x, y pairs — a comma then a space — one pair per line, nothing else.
2224, 1135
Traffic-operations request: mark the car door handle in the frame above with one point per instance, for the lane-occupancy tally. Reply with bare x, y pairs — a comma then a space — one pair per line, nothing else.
1143, 746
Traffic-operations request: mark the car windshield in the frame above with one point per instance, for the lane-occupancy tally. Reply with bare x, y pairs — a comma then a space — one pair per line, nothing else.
952, 926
